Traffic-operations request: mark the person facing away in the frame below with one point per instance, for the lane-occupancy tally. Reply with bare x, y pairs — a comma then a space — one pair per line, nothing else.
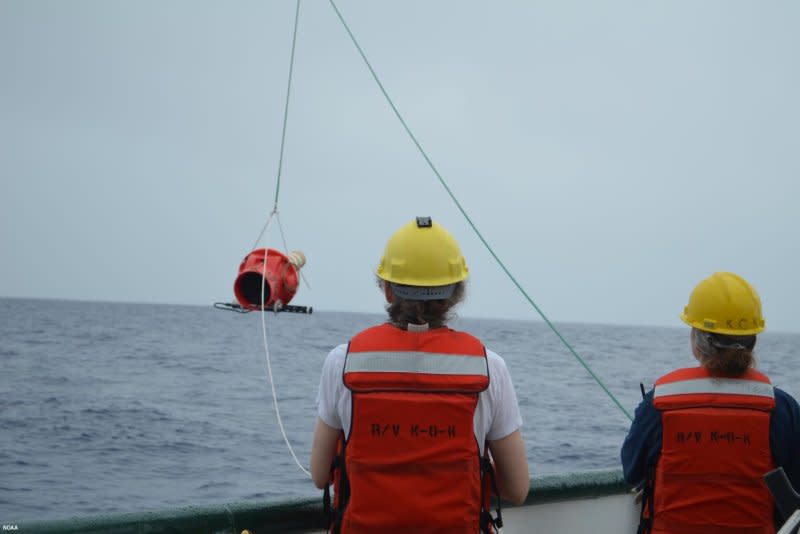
703, 438
409, 411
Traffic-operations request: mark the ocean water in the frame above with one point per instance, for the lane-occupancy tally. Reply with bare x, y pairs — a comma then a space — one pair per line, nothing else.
110, 407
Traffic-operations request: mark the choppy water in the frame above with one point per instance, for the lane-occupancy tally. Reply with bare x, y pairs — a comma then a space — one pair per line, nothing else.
110, 408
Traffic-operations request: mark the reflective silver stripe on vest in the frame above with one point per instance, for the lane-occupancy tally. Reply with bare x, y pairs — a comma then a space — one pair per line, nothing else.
729, 386
416, 362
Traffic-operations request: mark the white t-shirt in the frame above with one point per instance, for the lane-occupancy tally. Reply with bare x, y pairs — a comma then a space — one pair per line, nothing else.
496, 416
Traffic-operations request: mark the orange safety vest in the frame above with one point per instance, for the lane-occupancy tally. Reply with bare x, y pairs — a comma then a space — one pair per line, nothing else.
411, 462
715, 450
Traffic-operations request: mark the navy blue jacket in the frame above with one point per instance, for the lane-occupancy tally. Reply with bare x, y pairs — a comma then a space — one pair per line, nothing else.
642, 446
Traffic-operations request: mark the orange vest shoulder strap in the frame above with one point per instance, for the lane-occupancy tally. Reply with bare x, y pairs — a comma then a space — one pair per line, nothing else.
387, 358
695, 386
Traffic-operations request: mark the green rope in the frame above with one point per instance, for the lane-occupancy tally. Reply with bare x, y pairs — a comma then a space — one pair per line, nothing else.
469, 220
286, 107
283, 132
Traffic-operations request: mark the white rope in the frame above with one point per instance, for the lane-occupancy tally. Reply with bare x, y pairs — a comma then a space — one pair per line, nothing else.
266, 351
263, 230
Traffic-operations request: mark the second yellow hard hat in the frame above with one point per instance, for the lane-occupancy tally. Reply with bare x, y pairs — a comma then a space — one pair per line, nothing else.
724, 303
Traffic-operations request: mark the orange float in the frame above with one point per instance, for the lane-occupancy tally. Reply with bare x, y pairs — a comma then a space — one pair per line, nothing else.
267, 280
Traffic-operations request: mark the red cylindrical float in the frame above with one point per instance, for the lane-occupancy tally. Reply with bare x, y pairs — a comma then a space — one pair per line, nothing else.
279, 283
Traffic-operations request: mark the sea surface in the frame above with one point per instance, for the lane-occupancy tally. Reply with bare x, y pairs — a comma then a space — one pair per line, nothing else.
110, 407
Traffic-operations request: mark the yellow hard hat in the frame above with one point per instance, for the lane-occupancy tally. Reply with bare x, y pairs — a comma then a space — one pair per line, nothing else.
725, 303
422, 254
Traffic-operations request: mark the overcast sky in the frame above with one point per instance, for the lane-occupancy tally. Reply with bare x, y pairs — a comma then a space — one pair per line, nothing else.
613, 153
